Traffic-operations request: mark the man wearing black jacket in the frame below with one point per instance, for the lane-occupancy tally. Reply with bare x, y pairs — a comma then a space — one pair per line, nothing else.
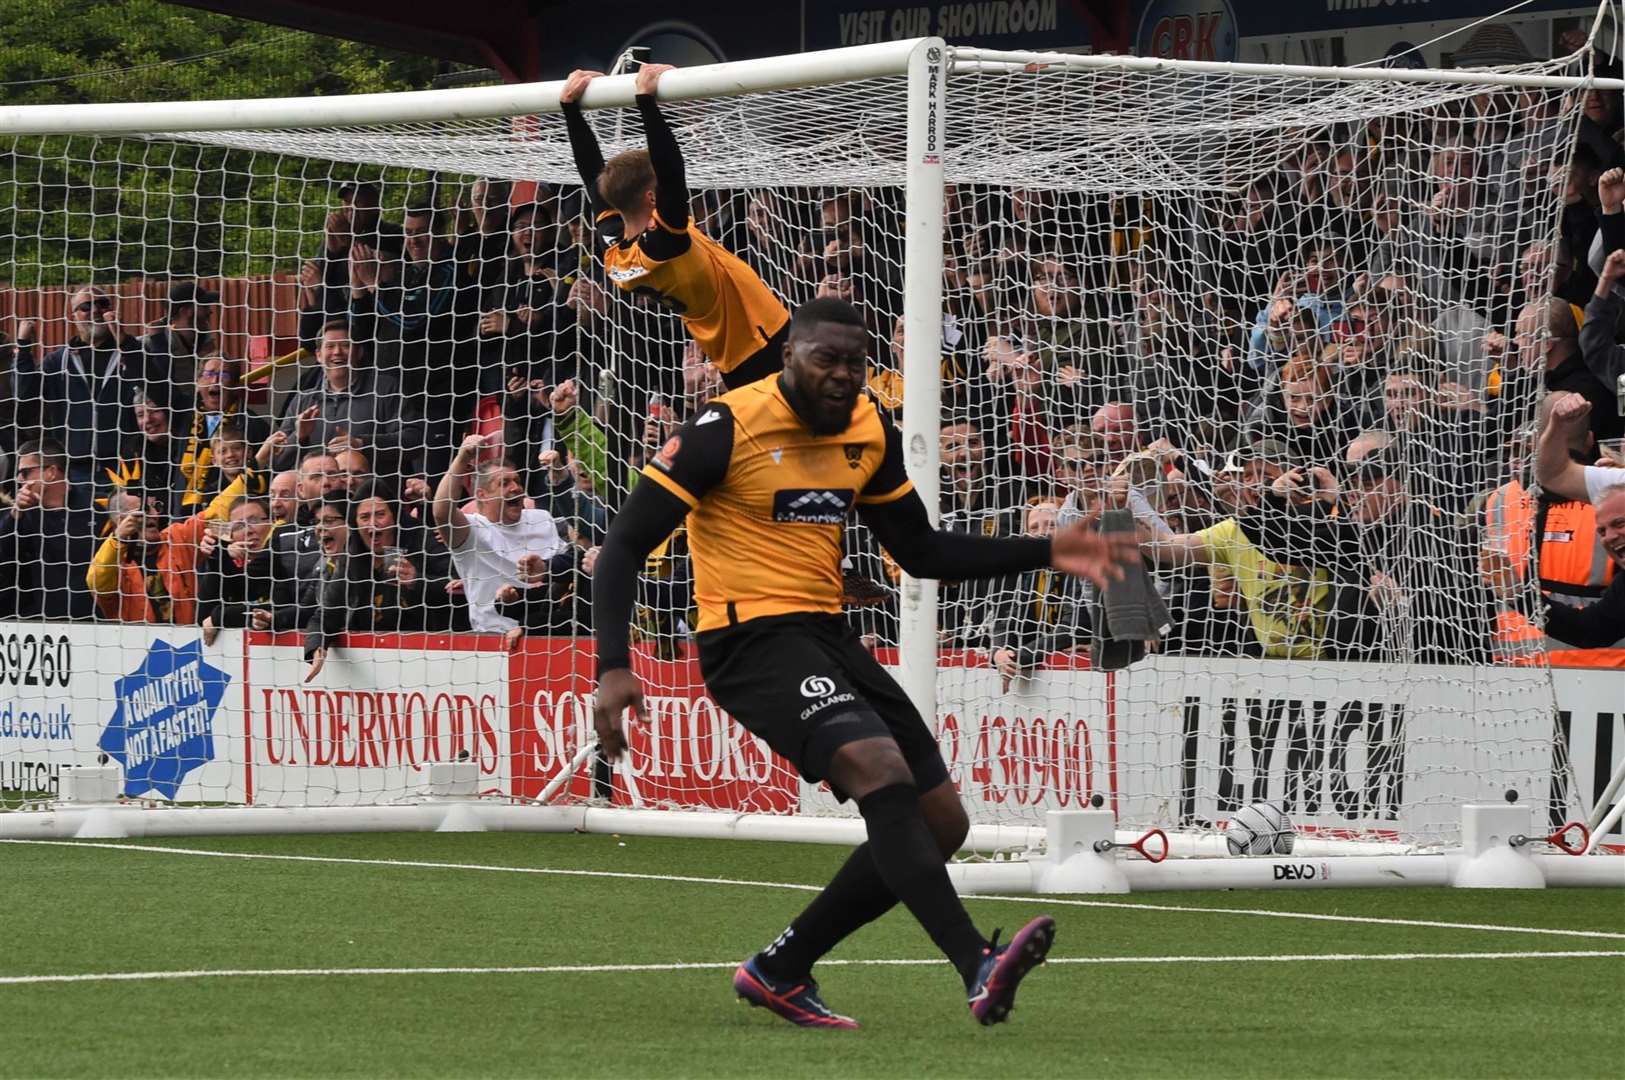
85, 390
766, 476
47, 539
237, 571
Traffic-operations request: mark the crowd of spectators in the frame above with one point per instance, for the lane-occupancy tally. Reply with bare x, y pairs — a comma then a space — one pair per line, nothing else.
1304, 390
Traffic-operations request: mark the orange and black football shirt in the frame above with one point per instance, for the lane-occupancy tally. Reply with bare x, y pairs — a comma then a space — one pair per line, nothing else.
768, 500
727, 308
730, 311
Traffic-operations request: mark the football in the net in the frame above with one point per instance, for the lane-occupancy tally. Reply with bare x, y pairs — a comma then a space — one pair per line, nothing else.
1260, 828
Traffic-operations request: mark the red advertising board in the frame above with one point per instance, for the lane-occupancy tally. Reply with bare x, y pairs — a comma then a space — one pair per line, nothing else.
686, 752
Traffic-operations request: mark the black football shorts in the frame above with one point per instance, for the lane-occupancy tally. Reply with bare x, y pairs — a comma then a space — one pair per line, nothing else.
805, 685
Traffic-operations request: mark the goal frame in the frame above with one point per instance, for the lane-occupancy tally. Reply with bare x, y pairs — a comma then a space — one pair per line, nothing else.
928, 64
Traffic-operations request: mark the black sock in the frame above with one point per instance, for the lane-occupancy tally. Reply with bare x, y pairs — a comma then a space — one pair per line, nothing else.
908, 861
855, 897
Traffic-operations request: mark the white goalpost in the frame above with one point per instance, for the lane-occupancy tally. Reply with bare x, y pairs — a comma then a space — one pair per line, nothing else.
1094, 282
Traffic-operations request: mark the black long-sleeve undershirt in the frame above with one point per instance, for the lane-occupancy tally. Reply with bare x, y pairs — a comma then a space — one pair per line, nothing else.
671, 177
671, 180
584, 148
903, 527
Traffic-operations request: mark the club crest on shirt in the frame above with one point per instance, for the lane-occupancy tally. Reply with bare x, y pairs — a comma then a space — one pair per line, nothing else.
854, 454
669, 451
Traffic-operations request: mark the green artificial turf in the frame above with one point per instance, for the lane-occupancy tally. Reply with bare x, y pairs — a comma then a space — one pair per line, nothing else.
76, 909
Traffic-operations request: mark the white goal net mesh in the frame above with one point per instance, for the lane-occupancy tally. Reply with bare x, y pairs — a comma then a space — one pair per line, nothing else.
1162, 291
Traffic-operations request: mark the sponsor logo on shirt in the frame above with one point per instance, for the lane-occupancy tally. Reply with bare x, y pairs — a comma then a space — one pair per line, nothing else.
817, 686
619, 274
812, 506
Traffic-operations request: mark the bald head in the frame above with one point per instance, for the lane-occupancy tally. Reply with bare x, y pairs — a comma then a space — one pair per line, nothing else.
1611, 523
1113, 422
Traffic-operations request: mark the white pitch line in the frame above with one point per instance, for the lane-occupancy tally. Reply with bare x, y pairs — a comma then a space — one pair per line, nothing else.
1051, 901
726, 965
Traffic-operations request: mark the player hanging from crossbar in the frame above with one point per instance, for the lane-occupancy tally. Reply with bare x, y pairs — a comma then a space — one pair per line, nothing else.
766, 477
653, 250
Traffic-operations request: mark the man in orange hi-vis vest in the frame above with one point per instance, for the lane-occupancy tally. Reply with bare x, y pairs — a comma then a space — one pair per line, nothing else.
1594, 626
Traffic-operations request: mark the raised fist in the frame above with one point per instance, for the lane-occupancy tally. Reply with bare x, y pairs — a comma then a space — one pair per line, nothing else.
1570, 409
564, 396
1611, 190
532, 569
1614, 268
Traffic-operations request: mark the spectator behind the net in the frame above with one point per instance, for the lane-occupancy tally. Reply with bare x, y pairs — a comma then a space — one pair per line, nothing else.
283, 497
380, 582
85, 390
1603, 355
487, 545
557, 596
324, 282
1034, 401
185, 334
211, 396
152, 456
406, 305
1548, 268
1314, 289
525, 325
331, 534
1287, 604
972, 500
356, 406
296, 550
228, 460
1553, 535
47, 536
1403, 572
146, 571
237, 572
1235, 256
544, 417
1548, 356
1072, 339
1040, 612
1302, 411
1378, 319
1600, 623
1446, 436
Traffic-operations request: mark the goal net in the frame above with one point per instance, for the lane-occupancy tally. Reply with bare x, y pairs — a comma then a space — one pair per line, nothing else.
1161, 289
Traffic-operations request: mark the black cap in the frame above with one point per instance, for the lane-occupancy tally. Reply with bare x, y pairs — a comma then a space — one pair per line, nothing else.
190, 292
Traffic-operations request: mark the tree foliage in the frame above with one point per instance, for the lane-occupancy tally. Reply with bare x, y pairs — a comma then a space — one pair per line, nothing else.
83, 208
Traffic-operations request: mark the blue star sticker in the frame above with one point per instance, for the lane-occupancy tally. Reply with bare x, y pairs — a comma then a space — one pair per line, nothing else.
163, 727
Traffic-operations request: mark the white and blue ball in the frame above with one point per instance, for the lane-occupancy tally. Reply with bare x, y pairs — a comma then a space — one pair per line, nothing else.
1260, 828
